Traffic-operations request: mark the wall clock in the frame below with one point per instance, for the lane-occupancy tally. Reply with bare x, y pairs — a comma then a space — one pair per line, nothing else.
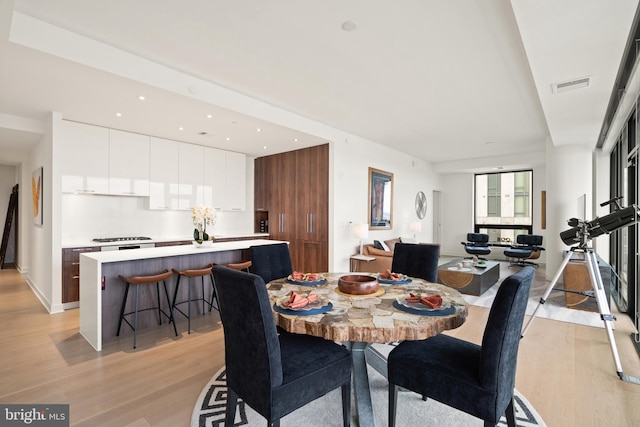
421, 204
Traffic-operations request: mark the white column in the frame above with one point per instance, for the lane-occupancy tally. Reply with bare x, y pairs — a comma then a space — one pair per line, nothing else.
569, 176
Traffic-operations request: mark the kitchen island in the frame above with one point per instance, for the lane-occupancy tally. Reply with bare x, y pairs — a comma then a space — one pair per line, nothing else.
101, 291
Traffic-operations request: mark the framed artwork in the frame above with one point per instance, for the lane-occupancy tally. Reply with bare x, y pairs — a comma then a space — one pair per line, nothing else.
380, 200
36, 194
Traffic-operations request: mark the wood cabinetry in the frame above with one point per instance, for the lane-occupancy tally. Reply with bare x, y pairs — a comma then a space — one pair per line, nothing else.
291, 193
71, 272
82, 154
576, 279
128, 163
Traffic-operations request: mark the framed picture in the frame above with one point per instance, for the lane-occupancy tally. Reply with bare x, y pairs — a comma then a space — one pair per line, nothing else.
36, 194
380, 200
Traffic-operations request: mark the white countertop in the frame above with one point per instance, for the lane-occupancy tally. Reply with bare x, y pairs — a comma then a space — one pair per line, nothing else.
87, 243
169, 251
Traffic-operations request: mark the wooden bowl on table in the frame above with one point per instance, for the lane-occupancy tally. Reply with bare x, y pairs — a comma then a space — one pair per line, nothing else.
358, 284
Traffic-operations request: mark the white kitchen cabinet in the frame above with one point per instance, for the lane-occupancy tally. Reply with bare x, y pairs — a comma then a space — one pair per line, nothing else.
83, 156
236, 181
215, 171
190, 171
128, 163
224, 180
163, 173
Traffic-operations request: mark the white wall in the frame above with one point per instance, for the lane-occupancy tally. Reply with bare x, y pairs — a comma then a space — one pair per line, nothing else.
568, 168
457, 212
351, 159
38, 240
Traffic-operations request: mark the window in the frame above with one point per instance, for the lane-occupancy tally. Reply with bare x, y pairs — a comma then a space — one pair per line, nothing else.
522, 188
503, 205
493, 195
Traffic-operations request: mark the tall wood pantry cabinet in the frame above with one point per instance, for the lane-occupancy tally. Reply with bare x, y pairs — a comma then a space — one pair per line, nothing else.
291, 199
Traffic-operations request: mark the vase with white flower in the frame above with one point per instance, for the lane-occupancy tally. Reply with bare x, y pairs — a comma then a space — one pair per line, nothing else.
202, 216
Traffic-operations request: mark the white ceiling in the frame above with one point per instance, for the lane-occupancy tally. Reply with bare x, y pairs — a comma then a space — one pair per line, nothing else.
443, 80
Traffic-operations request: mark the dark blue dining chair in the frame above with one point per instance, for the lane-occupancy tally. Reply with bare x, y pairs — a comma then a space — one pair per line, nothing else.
274, 374
271, 261
476, 379
416, 260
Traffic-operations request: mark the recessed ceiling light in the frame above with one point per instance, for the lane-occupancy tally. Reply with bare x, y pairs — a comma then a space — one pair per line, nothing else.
349, 26
180, 128
209, 116
141, 97
228, 139
264, 148
258, 130
118, 114
295, 139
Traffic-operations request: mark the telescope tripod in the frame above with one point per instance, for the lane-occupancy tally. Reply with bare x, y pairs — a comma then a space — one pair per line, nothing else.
601, 299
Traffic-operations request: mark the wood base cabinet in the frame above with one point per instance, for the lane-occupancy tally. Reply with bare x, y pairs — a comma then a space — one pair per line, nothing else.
71, 272
292, 204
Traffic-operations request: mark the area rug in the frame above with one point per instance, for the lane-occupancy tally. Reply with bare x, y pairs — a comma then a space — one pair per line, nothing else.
554, 307
326, 411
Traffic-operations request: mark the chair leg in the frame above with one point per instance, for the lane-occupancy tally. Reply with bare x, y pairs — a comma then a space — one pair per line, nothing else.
393, 400
346, 404
189, 305
159, 309
202, 288
214, 295
510, 414
124, 303
135, 317
232, 400
171, 319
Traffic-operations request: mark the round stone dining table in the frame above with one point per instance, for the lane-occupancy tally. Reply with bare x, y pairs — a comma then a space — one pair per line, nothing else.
356, 321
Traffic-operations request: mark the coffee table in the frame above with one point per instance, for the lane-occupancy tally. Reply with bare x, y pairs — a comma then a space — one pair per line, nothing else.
472, 280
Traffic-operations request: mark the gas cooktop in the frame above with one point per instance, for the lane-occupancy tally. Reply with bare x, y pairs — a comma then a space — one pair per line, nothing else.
119, 239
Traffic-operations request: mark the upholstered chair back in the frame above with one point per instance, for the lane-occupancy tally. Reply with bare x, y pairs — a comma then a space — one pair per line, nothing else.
478, 238
502, 335
529, 239
252, 349
416, 260
271, 261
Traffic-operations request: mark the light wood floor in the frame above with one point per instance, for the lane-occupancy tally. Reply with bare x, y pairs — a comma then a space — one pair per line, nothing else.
565, 371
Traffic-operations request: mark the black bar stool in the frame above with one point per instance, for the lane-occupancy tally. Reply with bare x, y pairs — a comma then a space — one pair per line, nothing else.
242, 266
145, 280
202, 272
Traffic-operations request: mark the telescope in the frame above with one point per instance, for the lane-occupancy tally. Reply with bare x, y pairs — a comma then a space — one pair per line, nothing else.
581, 231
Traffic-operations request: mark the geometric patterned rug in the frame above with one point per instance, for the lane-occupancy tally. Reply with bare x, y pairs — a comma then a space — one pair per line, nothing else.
412, 410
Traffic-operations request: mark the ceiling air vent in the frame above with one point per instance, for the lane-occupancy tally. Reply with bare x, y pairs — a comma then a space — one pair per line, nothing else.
571, 85
204, 133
